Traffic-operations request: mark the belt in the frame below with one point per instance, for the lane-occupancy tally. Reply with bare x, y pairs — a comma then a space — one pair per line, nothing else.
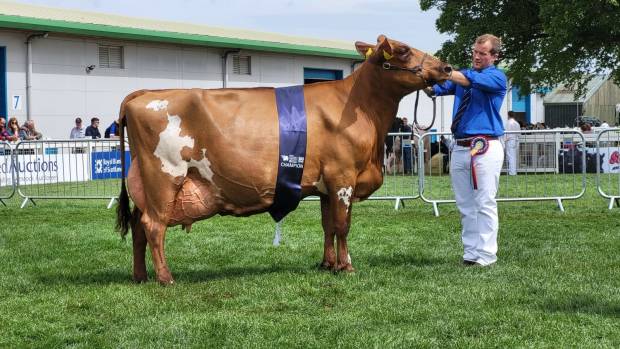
467, 142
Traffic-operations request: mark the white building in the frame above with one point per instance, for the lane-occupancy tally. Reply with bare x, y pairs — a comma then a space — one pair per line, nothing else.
58, 64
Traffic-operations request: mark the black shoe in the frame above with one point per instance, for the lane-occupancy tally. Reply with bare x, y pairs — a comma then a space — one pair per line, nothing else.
468, 263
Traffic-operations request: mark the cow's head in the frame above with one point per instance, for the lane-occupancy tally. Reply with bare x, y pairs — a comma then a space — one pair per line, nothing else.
407, 66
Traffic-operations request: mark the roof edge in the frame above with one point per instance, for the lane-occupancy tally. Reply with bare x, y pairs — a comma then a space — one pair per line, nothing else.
117, 32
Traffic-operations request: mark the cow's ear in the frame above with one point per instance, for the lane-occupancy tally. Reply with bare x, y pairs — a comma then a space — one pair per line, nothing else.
402, 52
384, 49
365, 49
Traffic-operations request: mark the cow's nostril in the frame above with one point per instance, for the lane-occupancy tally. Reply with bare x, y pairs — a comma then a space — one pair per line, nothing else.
447, 69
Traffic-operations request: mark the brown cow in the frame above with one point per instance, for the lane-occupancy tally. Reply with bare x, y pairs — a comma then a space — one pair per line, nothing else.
196, 153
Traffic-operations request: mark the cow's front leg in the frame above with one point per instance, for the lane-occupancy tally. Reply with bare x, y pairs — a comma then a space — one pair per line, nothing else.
138, 239
156, 234
329, 253
340, 206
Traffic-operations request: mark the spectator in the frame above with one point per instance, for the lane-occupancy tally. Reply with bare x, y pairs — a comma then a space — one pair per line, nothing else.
78, 131
604, 124
512, 143
112, 130
4, 134
13, 129
406, 142
92, 131
29, 132
586, 128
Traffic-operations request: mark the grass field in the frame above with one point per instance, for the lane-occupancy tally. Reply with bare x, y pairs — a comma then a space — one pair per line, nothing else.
66, 280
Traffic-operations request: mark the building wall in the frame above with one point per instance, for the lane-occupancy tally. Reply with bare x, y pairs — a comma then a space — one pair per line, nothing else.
602, 104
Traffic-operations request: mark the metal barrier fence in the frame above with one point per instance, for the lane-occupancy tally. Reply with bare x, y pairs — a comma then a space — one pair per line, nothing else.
68, 169
7, 175
550, 165
608, 165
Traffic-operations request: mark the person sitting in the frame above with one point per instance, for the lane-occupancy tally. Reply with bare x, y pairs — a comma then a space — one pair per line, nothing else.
92, 131
13, 129
112, 130
4, 134
28, 132
78, 131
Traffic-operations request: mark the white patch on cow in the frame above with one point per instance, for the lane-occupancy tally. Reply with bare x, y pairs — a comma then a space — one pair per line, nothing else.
320, 185
348, 258
203, 166
344, 194
169, 148
157, 105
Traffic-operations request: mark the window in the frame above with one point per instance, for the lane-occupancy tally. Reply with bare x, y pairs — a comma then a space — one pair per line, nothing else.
111, 57
242, 65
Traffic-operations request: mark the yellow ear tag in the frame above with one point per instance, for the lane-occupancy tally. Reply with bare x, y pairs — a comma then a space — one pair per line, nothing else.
387, 56
369, 52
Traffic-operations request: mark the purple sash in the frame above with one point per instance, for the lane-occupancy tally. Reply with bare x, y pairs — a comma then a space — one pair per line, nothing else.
292, 120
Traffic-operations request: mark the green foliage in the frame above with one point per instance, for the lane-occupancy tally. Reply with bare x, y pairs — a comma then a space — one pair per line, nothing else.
66, 280
545, 42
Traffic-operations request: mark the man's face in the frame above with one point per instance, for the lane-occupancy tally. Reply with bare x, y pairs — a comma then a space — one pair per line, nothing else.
405, 121
2, 122
96, 123
482, 56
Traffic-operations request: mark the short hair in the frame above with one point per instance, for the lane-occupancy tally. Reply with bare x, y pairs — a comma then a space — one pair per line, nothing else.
496, 43
78, 120
93, 120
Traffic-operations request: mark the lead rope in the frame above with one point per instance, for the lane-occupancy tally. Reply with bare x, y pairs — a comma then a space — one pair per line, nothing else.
415, 112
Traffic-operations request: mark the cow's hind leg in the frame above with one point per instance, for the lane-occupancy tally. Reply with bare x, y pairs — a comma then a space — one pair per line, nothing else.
329, 254
155, 232
138, 238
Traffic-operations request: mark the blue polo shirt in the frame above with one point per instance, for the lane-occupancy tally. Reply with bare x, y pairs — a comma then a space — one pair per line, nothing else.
482, 115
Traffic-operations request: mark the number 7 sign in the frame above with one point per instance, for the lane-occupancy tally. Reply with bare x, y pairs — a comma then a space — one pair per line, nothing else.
16, 102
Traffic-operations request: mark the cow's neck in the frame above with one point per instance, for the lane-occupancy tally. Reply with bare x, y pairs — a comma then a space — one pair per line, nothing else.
373, 92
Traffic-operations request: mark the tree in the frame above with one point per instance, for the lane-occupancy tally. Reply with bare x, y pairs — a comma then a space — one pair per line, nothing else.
545, 42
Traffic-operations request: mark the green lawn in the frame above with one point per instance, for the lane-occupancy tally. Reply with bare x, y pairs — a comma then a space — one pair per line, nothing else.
66, 280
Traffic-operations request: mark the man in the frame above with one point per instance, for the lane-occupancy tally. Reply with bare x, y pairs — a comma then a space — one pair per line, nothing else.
29, 132
477, 155
406, 142
92, 131
78, 131
4, 134
512, 143
112, 130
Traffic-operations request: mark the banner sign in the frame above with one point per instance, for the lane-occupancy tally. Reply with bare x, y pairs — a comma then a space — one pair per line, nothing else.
107, 164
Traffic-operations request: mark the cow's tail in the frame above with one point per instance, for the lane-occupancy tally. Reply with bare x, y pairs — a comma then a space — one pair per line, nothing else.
123, 210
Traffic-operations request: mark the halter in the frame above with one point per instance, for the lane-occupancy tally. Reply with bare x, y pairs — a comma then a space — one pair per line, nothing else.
417, 70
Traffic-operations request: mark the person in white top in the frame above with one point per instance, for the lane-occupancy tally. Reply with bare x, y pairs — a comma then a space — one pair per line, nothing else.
78, 131
512, 143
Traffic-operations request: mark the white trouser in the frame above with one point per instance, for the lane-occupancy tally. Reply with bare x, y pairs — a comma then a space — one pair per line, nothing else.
478, 207
511, 156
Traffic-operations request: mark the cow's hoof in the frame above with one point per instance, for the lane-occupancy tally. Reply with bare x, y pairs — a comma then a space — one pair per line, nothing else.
347, 268
140, 278
168, 282
326, 266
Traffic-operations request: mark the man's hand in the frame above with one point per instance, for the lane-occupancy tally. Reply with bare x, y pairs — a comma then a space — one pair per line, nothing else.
429, 91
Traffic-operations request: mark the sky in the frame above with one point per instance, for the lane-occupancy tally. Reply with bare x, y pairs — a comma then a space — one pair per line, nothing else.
349, 20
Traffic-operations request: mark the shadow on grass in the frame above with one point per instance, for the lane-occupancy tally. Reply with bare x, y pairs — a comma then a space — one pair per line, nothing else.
184, 276
405, 260
583, 304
